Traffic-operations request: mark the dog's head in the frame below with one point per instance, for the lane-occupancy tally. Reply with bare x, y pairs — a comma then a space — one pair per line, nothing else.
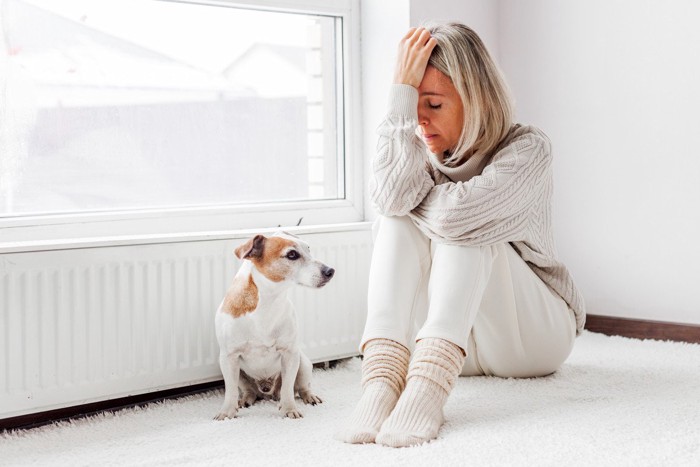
285, 257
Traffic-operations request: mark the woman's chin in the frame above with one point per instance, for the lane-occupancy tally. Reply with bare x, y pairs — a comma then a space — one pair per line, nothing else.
431, 147
435, 149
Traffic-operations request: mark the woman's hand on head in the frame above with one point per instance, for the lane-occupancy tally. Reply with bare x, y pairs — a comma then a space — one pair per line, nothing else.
414, 52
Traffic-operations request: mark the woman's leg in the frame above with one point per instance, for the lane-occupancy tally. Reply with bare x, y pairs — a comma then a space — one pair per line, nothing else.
523, 329
458, 278
398, 272
519, 328
398, 275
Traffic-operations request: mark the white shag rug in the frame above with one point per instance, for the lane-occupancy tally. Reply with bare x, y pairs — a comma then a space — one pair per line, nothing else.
615, 402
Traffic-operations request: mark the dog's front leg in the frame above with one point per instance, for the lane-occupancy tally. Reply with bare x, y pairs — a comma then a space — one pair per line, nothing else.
303, 382
290, 367
231, 369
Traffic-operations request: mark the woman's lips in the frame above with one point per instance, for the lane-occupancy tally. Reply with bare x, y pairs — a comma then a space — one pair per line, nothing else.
428, 138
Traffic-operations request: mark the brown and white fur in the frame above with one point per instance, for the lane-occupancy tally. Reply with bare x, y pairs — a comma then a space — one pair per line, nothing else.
257, 329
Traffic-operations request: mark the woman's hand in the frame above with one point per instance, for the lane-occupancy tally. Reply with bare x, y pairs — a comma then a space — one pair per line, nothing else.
413, 56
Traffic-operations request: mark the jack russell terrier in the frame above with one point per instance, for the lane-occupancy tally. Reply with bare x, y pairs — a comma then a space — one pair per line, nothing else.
256, 325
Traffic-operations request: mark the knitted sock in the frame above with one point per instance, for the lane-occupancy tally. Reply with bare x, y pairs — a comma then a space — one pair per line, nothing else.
384, 369
418, 416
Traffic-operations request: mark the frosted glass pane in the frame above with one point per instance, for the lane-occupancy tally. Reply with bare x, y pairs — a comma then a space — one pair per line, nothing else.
113, 104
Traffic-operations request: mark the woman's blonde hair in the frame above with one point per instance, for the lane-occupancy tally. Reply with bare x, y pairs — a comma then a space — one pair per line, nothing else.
488, 109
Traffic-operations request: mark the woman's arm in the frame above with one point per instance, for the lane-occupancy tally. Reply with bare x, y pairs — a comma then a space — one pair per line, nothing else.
400, 178
495, 206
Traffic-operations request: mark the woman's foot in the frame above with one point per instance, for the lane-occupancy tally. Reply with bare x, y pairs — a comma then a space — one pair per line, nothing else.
377, 402
418, 415
383, 378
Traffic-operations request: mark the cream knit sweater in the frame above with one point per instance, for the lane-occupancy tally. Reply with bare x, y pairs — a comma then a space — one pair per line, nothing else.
481, 202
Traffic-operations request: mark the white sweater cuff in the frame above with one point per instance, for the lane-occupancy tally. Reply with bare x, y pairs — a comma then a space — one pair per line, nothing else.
403, 100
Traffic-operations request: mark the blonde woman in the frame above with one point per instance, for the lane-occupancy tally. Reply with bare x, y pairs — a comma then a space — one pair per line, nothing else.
464, 278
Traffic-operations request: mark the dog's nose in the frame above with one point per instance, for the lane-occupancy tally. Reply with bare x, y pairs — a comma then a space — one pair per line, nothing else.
327, 272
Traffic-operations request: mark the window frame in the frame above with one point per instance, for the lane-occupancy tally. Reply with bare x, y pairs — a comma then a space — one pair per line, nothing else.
163, 221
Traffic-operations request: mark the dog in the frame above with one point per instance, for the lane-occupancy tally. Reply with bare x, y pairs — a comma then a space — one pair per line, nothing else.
256, 325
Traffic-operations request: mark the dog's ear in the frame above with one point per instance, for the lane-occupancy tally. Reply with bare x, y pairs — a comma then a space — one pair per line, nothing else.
253, 248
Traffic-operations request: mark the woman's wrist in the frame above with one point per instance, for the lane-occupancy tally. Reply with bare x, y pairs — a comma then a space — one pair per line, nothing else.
403, 100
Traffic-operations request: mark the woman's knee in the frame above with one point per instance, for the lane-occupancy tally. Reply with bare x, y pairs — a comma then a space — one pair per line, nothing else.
400, 252
398, 229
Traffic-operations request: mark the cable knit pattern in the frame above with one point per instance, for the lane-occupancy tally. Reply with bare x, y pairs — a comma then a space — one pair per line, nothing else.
509, 201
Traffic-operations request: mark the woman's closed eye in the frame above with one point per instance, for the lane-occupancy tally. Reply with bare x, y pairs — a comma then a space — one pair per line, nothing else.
434, 106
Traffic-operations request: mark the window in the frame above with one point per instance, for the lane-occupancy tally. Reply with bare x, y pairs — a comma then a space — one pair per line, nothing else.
118, 110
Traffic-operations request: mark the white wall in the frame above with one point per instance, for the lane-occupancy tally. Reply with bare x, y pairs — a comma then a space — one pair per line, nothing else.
616, 86
382, 24
480, 15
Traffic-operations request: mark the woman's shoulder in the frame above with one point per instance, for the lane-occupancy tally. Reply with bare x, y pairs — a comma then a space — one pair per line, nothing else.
524, 139
527, 132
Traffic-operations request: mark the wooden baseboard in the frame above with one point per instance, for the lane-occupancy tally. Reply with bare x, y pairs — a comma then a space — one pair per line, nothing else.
643, 329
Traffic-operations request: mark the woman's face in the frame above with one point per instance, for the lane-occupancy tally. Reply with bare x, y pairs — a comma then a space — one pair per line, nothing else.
440, 111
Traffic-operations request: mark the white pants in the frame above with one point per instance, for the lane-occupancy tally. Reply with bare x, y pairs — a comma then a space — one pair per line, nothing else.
486, 300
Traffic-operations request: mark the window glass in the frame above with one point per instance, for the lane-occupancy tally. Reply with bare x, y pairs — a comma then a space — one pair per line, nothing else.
113, 105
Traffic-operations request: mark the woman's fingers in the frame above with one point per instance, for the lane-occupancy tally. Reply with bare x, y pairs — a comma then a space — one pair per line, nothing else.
417, 36
409, 34
414, 52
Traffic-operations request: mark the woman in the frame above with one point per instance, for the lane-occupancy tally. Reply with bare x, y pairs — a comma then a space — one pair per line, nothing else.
464, 271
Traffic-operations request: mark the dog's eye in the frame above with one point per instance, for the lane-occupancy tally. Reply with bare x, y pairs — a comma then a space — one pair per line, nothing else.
293, 255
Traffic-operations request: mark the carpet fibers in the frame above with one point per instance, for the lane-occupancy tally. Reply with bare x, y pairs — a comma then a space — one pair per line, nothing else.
615, 402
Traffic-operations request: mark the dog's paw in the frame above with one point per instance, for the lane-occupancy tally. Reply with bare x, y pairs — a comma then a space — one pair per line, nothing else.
224, 414
310, 398
246, 401
291, 411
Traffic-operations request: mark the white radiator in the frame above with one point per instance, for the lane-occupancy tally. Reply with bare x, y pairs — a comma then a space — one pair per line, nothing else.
86, 322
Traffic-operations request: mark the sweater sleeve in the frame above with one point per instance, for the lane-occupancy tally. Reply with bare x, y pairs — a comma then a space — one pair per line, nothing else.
495, 206
400, 179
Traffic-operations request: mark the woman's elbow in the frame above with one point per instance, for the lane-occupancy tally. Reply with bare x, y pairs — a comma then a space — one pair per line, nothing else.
390, 208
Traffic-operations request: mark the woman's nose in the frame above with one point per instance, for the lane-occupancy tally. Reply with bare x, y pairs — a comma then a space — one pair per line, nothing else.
423, 119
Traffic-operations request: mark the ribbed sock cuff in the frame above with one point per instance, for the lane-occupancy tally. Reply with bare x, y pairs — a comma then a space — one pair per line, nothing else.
437, 360
385, 360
